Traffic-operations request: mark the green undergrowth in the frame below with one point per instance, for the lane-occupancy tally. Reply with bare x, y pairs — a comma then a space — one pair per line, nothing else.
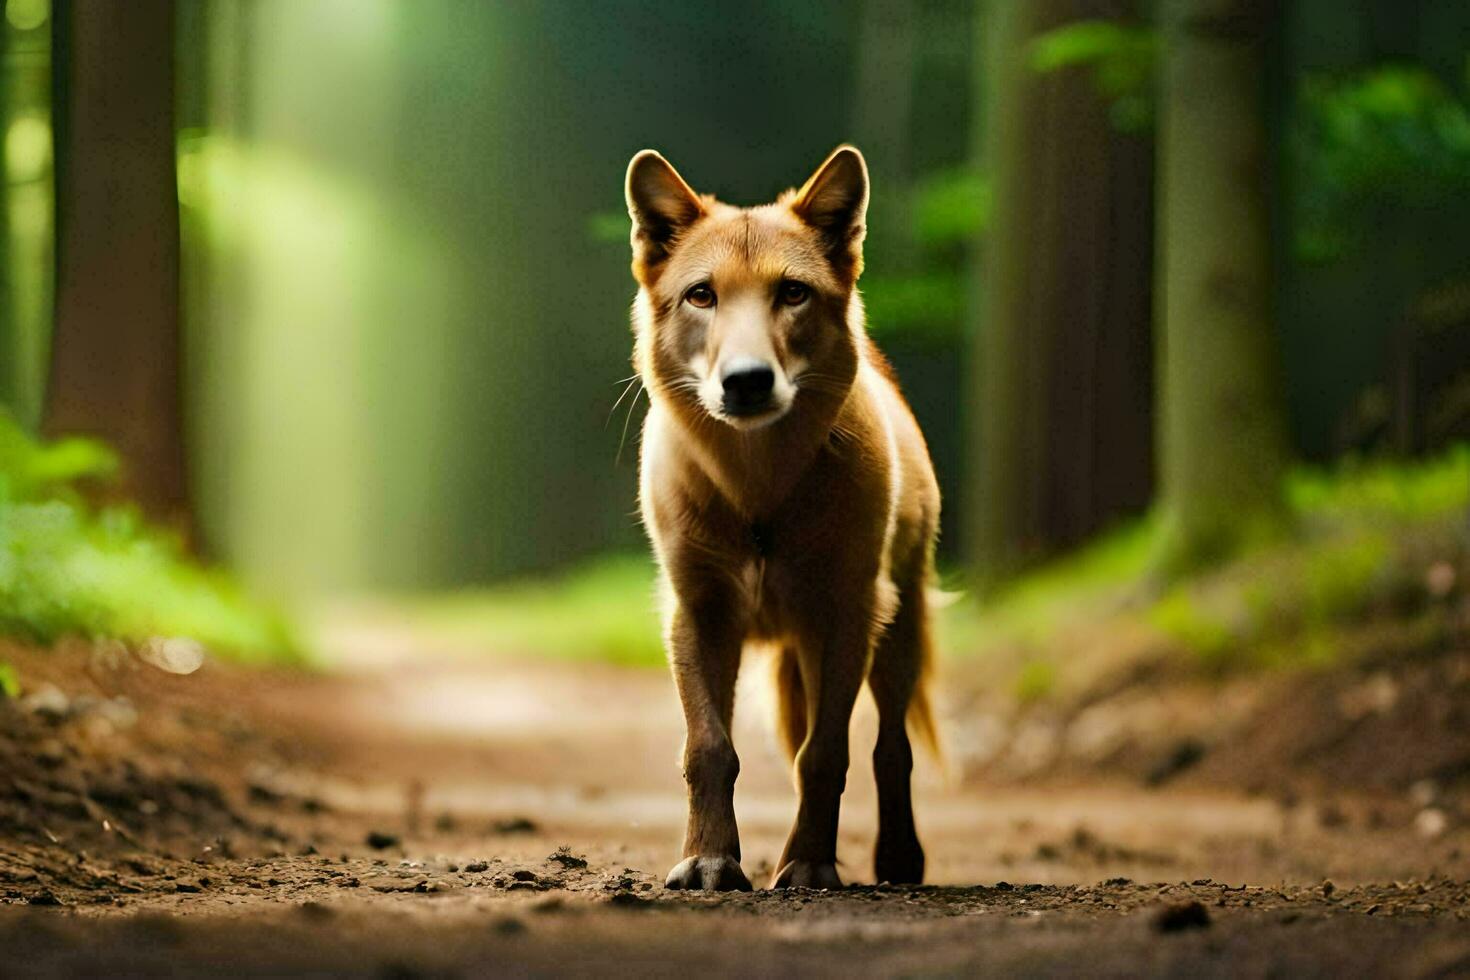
1367, 540
1370, 543
603, 609
67, 568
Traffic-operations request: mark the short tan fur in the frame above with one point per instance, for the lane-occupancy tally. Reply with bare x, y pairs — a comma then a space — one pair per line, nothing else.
790, 500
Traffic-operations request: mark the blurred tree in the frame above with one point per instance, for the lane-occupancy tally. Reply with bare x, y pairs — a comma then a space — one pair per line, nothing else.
1063, 380
1372, 226
28, 212
912, 114
883, 122
10, 366
1123, 60
403, 338
115, 351
1222, 441
1375, 150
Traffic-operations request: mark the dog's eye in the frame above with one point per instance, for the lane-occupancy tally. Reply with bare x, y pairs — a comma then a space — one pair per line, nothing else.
794, 293
700, 295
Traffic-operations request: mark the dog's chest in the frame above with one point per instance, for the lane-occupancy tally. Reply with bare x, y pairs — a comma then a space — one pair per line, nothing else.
767, 584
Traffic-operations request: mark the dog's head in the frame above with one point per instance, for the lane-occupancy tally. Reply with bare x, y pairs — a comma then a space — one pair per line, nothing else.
741, 309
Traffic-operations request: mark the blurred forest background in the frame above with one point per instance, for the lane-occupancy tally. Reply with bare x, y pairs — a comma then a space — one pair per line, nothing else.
343, 286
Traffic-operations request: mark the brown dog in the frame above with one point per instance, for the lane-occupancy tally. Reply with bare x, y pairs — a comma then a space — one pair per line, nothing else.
790, 500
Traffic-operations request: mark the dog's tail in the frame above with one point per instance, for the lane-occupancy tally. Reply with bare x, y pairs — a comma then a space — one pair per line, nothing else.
790, 702
921, 710
791, 710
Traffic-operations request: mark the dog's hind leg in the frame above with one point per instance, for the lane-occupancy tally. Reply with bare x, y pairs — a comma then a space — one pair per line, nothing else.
832, 668
899, 664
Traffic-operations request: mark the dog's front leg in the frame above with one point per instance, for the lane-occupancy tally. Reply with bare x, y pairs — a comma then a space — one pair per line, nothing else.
704, 646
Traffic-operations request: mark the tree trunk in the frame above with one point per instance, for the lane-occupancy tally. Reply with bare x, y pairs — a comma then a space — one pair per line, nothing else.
1064, 353
883, 123
115, 352
1222, 447
10, 360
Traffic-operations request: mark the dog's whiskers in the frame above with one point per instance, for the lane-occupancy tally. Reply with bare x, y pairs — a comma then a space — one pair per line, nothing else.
613, 411
626, 421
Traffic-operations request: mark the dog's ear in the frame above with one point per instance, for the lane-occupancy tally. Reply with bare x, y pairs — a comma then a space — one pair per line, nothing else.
834, 200
662, 207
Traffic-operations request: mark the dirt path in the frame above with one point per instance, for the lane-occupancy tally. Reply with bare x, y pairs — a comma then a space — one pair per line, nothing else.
403, 816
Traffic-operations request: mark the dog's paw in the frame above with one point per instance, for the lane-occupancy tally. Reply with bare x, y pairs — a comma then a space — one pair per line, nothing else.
716, 874
899, 864
807, 874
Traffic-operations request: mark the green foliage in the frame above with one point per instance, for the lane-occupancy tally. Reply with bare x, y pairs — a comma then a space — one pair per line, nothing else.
1365, 535
1276, 607
1363, 144
950, 211
1181, 618
603, 610
951, 207
1230, 531
1035, 680
9, 683
1031, 604
1122, 59
1386, 138
1029, 612
926, 307
1340, 579
30, 470
65, 569
1381, 492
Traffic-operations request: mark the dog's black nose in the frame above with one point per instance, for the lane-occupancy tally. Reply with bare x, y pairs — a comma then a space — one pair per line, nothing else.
748, 386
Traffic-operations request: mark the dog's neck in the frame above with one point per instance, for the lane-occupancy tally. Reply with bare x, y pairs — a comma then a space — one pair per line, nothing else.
755, 471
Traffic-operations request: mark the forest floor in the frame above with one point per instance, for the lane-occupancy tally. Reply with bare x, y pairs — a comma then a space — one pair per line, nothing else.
453, 813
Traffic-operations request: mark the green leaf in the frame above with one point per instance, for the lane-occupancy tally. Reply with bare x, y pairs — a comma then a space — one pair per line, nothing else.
916, 307
29, 468
1092, 42
9, 682
1388, 138
951, 206
66, 568
1123, 59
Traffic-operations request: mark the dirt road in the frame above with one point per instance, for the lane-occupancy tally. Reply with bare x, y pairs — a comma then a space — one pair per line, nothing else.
403, 816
